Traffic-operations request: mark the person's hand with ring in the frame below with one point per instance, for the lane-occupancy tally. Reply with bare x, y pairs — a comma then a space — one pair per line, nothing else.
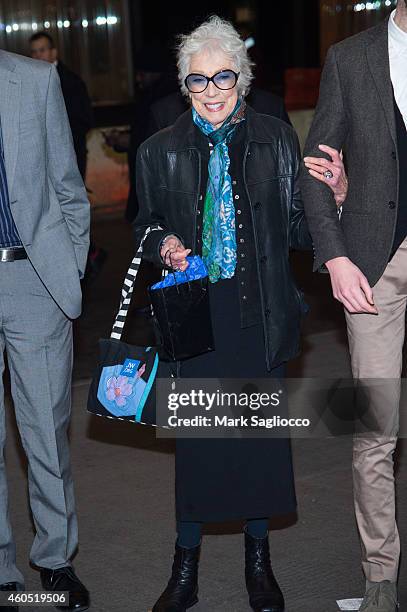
332, 173
174, 254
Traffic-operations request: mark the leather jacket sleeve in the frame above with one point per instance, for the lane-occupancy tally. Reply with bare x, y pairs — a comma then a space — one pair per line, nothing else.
149, 210
300, 237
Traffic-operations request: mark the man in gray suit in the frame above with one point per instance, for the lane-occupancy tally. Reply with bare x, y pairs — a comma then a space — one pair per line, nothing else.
44, 226
362, 109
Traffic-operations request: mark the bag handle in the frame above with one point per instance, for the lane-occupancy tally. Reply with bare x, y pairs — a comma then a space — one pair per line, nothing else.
128, 286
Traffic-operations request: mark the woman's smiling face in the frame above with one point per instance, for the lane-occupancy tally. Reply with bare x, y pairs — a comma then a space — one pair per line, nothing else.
213, 104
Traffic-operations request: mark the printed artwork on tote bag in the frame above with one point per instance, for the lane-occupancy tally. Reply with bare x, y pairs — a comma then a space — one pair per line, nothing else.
121, 388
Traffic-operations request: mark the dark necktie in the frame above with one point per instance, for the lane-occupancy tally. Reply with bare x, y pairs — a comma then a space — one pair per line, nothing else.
8, 232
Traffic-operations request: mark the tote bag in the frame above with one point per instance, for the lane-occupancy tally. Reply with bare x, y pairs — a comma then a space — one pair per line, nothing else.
123, 384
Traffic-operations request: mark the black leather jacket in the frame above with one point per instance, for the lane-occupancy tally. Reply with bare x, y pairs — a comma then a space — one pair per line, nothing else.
169, 183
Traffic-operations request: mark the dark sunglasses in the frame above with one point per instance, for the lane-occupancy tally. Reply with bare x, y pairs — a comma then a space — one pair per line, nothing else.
225, 79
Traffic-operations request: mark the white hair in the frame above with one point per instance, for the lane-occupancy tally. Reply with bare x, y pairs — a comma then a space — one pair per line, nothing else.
215, 33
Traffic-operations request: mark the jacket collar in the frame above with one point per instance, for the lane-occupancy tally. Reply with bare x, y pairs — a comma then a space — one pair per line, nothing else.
377, 54
183, 133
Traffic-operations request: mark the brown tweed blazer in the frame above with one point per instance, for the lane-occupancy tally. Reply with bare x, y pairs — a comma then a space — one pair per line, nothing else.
355, 113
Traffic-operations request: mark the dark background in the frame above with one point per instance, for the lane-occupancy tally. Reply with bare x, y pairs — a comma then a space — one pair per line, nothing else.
289, 34
286, 31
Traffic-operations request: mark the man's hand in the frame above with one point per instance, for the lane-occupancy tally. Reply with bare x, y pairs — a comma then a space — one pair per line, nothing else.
338, 182
350, 286
174, 254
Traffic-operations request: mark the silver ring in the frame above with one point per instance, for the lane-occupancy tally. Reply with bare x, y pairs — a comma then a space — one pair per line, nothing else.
328, 174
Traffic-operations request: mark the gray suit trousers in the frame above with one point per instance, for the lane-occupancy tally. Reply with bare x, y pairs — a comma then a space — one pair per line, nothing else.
37, 338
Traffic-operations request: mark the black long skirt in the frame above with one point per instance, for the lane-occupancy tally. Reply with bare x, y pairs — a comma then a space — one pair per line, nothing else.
240, 478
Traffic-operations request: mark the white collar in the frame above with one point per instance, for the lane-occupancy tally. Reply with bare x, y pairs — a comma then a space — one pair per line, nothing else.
396, 34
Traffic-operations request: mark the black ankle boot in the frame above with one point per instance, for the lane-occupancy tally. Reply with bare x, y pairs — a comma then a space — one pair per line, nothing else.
264, 593
182, 589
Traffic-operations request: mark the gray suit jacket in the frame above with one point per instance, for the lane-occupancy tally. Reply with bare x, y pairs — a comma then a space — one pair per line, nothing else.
47, 196
355, 113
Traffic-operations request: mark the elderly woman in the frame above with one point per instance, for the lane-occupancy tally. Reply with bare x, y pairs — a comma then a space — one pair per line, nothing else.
222, 183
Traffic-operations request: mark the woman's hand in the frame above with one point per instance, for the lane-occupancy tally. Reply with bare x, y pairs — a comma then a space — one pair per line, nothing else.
322, 169
174, 254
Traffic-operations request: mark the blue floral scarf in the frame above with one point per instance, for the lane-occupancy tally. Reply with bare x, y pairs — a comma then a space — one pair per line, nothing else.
219, 229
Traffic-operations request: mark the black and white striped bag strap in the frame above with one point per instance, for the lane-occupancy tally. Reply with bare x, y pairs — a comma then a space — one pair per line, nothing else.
128, 286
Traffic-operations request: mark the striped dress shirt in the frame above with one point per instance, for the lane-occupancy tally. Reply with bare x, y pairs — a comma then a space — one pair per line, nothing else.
8, 232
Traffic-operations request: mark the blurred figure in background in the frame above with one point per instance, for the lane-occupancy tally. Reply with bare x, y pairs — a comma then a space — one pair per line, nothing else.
261, 72
155, 79
80, 115
74, 90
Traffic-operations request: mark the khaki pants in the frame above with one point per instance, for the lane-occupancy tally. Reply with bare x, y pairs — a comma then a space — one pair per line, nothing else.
376, 344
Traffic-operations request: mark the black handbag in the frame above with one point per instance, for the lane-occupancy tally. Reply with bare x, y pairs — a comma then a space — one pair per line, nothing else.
182, 318
123, 386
